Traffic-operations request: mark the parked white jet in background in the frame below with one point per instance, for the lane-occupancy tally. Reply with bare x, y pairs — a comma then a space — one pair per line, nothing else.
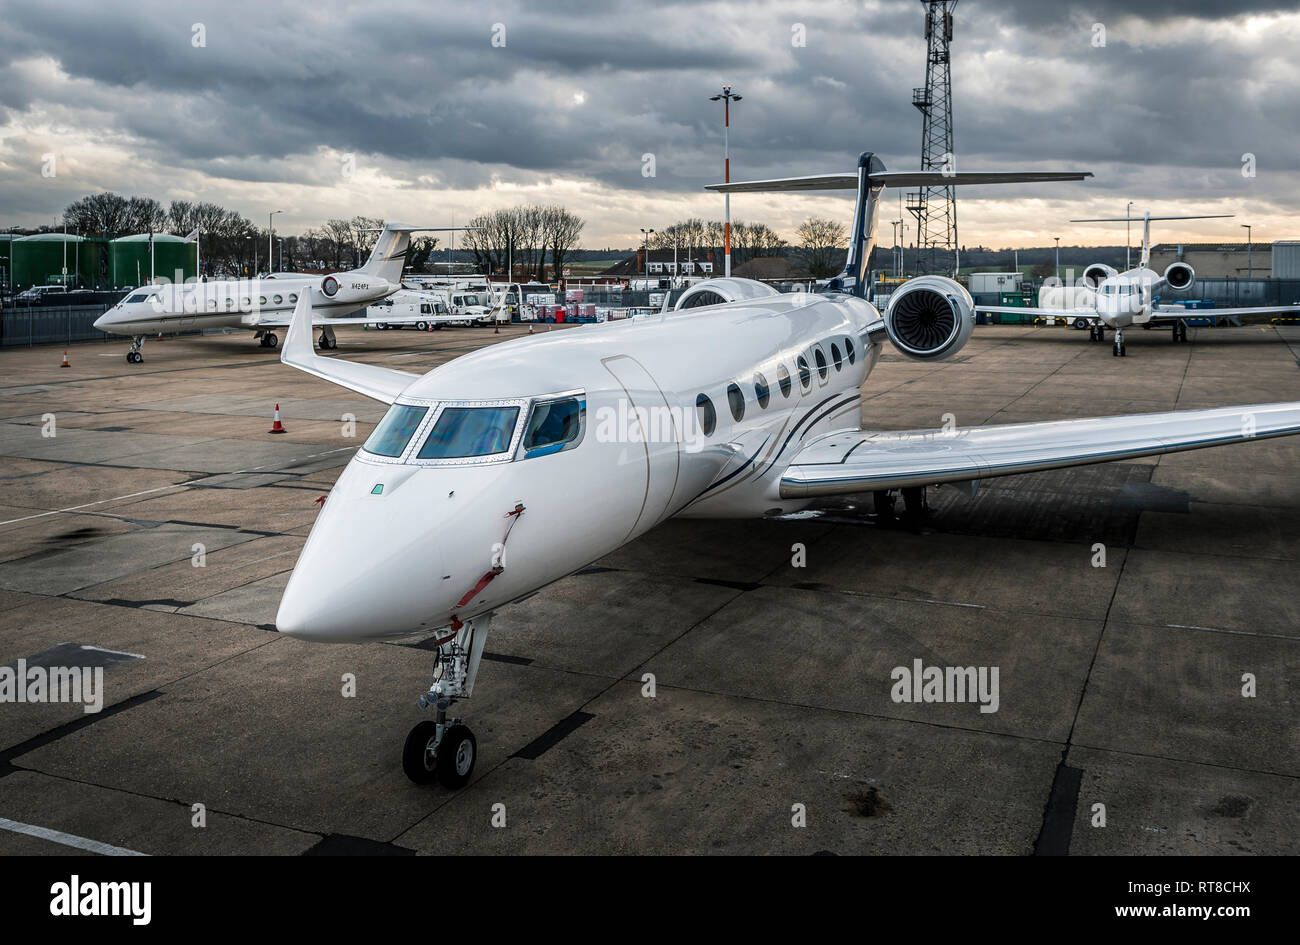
263, 304
747, 405
1123, 299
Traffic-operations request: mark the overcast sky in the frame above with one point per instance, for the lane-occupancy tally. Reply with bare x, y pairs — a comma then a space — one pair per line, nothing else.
259, 105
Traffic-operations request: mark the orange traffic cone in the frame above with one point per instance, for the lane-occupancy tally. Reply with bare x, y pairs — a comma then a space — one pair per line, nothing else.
530, 328
65, 359
277, 426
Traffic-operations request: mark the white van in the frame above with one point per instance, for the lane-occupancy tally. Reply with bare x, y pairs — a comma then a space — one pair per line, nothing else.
424, 310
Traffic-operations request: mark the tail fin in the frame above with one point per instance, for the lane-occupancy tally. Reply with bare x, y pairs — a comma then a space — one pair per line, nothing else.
871, 178
389, 255
1145, 220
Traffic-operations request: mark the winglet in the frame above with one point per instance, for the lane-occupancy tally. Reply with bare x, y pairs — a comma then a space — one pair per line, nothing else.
378, 383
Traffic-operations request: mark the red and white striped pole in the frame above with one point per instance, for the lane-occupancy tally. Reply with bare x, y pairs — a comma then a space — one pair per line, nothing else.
726, 177
727, 98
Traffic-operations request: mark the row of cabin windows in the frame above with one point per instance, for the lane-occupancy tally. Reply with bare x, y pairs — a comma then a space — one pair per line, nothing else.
246, 301
763, 392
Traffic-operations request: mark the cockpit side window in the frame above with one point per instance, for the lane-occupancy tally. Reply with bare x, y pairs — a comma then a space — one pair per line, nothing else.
138, 297
395, 430
463, 432
553, 424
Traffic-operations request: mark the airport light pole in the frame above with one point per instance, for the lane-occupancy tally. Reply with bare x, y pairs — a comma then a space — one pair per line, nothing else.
726, 97
1128, 233
1058, 257
270, 234
1249, 269
645, 234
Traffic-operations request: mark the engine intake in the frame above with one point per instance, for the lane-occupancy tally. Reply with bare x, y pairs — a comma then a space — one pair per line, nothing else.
1096, 274
930, 318
1179, 275
721, 291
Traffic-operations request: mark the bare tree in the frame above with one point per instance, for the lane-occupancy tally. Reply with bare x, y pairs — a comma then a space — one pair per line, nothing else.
339, 234
560, 231
821, 245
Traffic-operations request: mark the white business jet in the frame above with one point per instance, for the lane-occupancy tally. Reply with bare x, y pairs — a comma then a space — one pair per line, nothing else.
1120, 300
264, 304
744, 405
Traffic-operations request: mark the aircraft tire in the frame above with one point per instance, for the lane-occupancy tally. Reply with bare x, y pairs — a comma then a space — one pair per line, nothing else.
270, 340
419, 763
456, 757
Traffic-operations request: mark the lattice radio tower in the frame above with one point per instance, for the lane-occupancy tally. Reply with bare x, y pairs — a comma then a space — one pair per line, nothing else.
935, 208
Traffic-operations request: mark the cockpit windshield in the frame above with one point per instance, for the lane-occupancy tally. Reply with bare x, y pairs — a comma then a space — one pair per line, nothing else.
462, 432
395, 430
138, 297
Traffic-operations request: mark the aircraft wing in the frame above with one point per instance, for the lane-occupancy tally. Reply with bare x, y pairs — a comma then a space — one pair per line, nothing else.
378, 383
1252, 312
858, 461
322, 321
1021, 310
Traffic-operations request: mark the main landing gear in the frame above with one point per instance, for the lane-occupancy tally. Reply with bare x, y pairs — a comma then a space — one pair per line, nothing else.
327, 340
915, 506
1096, 333
1119, 350
133, 355
1180, 332
268, 339
445, 749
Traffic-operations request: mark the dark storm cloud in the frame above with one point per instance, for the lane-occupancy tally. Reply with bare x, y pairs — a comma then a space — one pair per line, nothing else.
585, 90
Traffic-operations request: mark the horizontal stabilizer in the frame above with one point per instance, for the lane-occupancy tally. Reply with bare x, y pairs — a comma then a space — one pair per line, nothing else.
378, 383
944, 179
896, 179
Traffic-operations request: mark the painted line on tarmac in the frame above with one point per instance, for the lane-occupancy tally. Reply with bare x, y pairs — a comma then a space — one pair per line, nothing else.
1240, 633
67, 839
76, 508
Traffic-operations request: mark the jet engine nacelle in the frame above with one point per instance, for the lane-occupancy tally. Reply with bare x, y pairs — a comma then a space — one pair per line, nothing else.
719, 291
930, 318
329, 287
1096, 274
1179, 275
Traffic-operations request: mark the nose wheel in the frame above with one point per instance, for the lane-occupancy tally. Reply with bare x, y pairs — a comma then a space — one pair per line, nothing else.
445, 749
133, 355
1119, 350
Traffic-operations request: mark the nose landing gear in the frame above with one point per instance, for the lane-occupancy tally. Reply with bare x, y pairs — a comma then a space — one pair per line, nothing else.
133, 355
1180, 332
1119, 350
446, 749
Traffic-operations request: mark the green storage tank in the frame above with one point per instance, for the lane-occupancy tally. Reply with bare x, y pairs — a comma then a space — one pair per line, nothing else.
129, 265
6, 266
40, 259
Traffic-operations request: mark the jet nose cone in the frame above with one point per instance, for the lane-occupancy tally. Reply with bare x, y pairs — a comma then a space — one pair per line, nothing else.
102, 322
371, 568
